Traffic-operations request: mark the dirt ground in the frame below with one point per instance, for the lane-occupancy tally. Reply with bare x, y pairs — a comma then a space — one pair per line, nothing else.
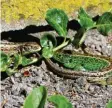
81, 94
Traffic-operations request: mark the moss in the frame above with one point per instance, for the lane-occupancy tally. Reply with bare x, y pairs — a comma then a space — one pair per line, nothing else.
36, 9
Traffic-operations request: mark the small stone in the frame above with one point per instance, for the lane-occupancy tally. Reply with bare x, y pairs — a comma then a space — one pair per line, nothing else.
12, 79
2, 99
98, 106
93, 46
81, 81
98, 48
17, 74
91, 88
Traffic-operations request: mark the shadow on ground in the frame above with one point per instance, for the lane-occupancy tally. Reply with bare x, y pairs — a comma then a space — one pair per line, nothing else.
23, 34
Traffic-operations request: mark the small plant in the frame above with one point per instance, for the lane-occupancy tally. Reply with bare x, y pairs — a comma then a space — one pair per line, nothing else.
37, 99
58, 20
103, 24
10, 64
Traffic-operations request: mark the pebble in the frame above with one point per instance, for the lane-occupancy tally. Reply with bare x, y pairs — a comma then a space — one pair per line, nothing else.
81, 81
18, 74
91, 88
12, 79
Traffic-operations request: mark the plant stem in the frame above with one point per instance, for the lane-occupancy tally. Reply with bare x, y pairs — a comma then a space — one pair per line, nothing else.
84, 36
82, 39
61, 46
64, 40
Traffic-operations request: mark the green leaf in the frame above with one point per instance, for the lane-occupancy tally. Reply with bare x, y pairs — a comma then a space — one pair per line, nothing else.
28, 61
47, 52
48, 40
79, 38
10, 71
84, 19
36, 99
104, 24
17, 59
60, 101
4, 61
58, 20
109, 104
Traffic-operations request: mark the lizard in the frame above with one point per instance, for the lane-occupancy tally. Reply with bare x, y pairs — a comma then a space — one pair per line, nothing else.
103, 76
19, 47
30, 47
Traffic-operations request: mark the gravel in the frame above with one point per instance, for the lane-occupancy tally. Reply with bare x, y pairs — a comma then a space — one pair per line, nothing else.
97, 43
81, 94
74, 90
